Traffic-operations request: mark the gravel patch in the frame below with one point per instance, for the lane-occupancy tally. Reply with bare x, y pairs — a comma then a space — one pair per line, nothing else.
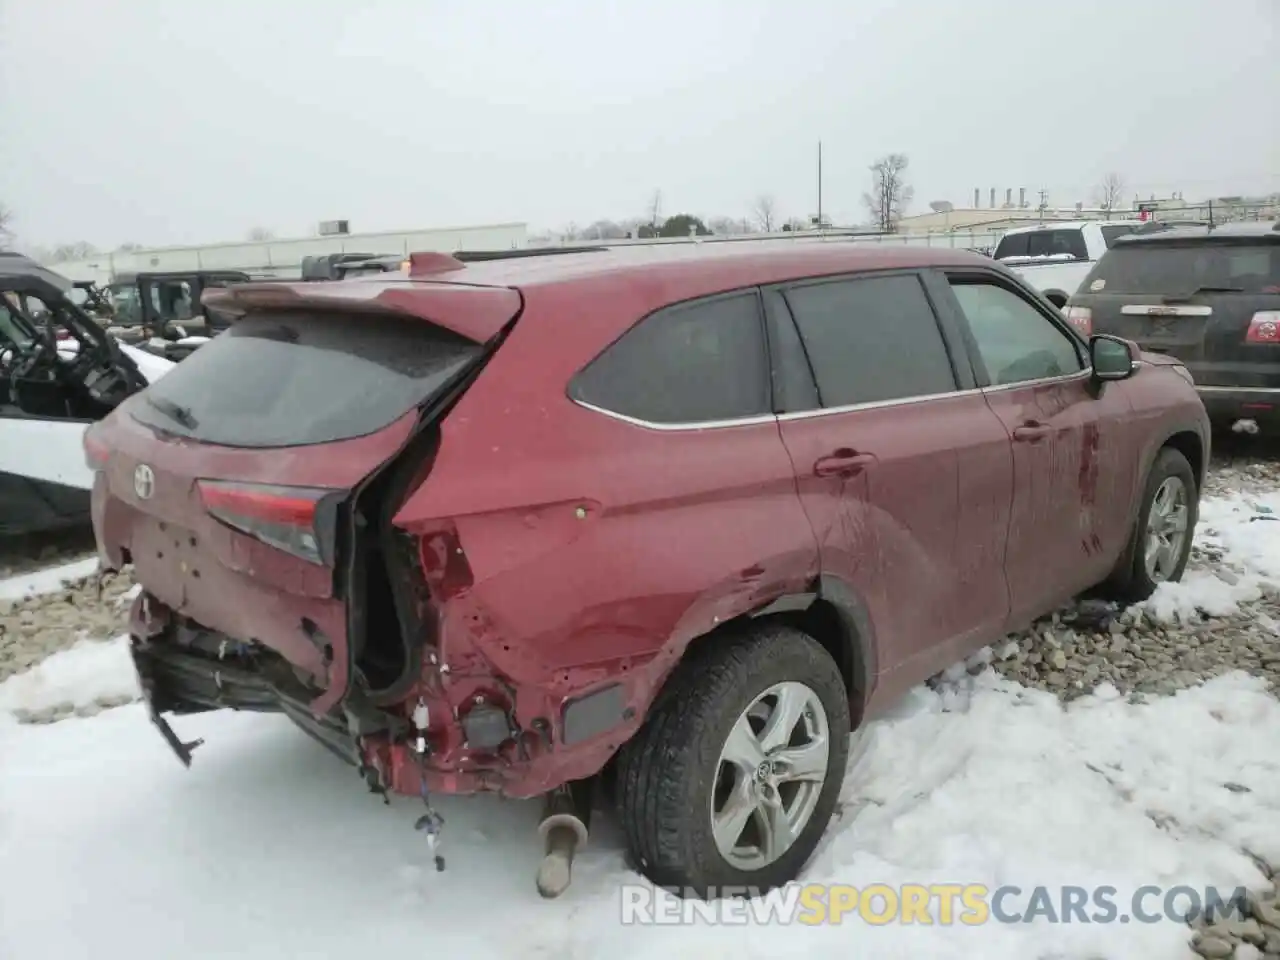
1093, 642
34, 628
1246, 465
1253, 933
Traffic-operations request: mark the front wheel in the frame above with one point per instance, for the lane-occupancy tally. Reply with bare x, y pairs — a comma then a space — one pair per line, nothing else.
735, 774
1160, 544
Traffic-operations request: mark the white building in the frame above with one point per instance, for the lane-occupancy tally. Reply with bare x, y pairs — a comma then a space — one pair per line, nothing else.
283, 258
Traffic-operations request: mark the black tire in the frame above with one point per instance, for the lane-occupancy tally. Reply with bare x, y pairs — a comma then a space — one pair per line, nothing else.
1131, 581
667, 772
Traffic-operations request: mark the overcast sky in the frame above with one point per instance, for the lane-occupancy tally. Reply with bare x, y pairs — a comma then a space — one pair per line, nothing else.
175, 121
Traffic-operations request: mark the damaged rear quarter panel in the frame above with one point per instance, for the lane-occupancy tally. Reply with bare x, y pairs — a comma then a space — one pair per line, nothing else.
614, 545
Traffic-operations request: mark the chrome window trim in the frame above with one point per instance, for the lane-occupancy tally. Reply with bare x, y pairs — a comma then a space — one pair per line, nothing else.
1084, 374
760, 419
753, 420
1215, 388
877, 404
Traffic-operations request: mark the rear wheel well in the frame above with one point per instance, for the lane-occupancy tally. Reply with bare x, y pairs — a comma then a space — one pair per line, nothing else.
821, 620
1189, 444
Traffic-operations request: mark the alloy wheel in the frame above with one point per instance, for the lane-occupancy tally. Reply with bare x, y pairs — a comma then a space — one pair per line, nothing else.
770, 775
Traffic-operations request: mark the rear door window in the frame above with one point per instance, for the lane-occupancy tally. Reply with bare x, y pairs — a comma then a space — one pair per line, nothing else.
1180, 269
292, 378
1015, 341
691, 363
871, 339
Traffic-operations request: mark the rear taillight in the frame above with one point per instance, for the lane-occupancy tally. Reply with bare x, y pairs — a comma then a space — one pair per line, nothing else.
95, 451
297, 520
1081, 318
1264, 327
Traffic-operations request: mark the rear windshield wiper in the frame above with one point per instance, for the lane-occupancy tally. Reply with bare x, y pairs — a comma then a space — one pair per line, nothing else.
174, 411
1207, 288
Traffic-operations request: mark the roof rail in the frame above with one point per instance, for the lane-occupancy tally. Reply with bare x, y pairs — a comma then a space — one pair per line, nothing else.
469, 256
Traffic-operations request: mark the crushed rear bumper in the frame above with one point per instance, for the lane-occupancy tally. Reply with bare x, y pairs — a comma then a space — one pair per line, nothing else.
182, 682
186, 669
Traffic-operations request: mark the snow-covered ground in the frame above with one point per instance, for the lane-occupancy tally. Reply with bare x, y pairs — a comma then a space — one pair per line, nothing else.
268, 847
47, 580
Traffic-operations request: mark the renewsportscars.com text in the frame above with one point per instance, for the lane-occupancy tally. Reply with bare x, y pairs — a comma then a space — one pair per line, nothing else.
936, 903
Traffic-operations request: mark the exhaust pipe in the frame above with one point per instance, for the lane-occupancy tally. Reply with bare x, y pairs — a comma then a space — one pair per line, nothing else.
563, 829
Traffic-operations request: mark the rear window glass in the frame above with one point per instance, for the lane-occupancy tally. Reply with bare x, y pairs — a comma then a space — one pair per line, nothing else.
1111, 234
1180, 269
291, 378
1062, 244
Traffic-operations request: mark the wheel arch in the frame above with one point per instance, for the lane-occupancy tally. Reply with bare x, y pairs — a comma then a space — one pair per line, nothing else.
1191, 445
1057, 297
832, 613
1189, 442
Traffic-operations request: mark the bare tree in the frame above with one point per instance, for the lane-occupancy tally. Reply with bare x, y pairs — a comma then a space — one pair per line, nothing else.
765, 212
80, 250
728, 226
604, 230
654, 210
890, 193
1109, 194
260, 235
128, 247
6, 218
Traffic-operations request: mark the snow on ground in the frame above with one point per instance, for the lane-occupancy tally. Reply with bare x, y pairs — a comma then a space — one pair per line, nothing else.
88, 673
269, 847
1246, 531
47, 580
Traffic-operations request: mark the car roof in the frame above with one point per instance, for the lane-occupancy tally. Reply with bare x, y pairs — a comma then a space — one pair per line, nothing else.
435, 287
730, 260
1265, 230
1072, 225
16, 266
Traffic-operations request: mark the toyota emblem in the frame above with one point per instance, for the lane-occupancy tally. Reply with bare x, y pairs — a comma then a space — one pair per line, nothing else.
144, 481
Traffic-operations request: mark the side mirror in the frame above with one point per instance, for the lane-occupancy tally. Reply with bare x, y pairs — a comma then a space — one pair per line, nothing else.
1112, 357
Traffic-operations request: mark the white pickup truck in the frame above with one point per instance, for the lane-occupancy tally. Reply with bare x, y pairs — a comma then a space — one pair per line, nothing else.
1055, 257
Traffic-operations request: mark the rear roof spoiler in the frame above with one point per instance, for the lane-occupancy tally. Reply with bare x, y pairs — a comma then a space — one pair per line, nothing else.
475, 312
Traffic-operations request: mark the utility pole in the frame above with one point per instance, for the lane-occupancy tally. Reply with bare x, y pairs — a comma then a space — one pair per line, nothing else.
1044, 203
819, 184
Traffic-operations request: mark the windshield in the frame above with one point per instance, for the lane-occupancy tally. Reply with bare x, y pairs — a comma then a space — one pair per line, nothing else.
1181, 269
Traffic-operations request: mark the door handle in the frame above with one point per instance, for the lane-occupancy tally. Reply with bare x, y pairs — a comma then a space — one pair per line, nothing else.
1033, 431
843, 463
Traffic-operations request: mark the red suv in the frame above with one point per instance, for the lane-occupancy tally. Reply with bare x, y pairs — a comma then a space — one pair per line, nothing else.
682, 519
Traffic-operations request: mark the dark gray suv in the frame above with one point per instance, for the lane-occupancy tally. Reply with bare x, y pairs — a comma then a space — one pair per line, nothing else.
1207, 295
